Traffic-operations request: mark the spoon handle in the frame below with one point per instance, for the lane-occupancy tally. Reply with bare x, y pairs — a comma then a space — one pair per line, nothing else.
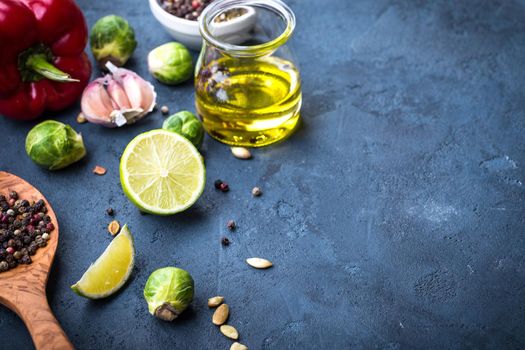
32, 307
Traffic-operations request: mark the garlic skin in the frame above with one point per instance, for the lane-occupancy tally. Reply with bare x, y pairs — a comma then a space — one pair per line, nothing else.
120, 97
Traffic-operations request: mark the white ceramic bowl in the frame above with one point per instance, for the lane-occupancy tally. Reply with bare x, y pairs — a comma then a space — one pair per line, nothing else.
187, 32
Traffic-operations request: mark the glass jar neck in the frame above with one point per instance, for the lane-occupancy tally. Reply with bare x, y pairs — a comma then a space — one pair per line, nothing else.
277, 7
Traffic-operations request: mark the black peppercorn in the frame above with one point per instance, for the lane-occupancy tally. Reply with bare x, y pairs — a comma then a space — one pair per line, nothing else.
225, 241
218, 184
26, 259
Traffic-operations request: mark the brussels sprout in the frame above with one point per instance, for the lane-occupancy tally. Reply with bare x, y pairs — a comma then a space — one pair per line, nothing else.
170, 63
112, 39
186, 124
54, 145
168, 292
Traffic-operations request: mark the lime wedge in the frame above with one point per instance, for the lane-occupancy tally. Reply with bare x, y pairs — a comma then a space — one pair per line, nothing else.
162, 173
111, 270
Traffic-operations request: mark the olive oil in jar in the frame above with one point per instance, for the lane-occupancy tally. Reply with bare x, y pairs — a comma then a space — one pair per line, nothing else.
249, 102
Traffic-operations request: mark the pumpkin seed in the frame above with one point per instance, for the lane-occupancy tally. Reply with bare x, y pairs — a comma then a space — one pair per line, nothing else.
114, 227
215, 301
221, 314
238, 346
241, 152
259, 263
229, 332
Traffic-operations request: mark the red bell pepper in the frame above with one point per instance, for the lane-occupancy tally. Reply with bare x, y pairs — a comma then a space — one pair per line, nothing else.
42, 65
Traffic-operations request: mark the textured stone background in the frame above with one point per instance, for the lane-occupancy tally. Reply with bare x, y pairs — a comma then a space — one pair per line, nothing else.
395, 215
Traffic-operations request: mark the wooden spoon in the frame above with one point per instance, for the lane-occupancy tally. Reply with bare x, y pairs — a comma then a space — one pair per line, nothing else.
23, 289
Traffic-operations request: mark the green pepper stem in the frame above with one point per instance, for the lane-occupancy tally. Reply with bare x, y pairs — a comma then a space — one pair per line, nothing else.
38, 63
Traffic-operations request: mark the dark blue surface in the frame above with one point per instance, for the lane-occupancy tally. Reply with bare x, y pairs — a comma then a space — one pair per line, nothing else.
395, 216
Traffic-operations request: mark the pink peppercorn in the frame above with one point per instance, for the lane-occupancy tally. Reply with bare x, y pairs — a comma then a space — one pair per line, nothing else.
224, 187
10, 250
50, 227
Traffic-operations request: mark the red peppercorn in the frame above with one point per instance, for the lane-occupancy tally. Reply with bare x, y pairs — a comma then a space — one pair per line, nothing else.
30, 228
10, 250
50, 227
195, 4
231, 225
224, 187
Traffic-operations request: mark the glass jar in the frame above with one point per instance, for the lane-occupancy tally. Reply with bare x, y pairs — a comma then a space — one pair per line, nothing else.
248, 89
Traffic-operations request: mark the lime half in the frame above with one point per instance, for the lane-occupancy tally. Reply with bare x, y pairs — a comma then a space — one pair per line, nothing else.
162, 173
111, 270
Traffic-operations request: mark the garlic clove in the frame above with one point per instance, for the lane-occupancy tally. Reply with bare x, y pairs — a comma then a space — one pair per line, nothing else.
148, 103
139, 92
118, 95
96, 104
133, 91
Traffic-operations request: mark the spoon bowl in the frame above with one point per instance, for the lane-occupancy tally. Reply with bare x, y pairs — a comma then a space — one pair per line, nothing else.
23, 289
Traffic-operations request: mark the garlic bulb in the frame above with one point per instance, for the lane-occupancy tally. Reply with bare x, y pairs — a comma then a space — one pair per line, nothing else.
120, 97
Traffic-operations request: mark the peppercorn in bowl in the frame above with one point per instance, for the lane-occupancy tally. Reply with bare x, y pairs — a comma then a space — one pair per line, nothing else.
180, 19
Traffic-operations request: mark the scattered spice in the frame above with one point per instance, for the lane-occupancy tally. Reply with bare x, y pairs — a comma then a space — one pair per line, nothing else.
215, 301
229, 332
164, 110
218, 184
221, 185
24, 227
114, 227
238, 346
225, 241
81, 118
110, 211
231, 225
259, 263
256, 192
241, 152
99, 170
224, 187
221, 314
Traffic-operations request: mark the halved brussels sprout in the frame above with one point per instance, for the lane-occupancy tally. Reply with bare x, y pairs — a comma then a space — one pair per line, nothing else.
112, 39
54, 145
186, 124
168, 291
